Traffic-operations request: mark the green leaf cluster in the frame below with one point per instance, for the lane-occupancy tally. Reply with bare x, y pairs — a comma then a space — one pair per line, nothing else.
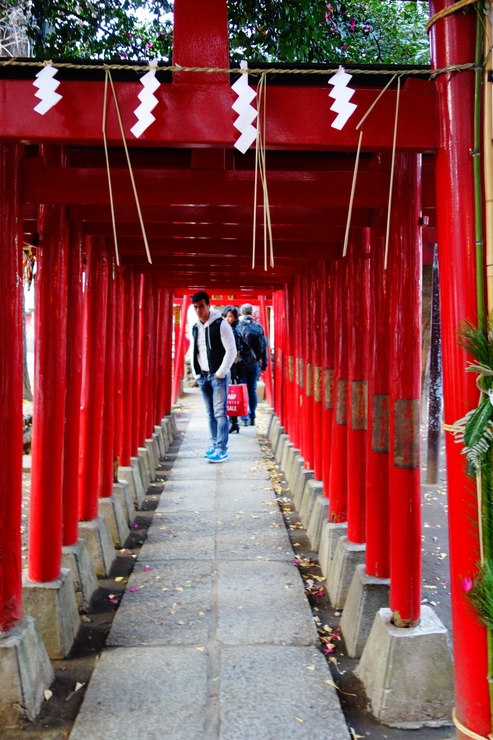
299, 31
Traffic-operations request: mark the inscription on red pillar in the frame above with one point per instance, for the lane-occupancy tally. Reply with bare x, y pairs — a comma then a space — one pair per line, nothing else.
406, 433
328, 388
309, 379
342, 401
317, 384
359, 405
380, 423
291, 367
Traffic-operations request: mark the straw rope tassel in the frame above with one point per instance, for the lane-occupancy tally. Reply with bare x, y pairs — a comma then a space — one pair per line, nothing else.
387, 234
110, 187
134, 187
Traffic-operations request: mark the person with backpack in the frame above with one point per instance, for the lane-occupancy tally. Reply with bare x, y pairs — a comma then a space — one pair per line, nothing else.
245, 356
213, 353
253, 334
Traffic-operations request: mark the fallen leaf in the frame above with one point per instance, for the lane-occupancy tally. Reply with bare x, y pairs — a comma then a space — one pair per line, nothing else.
119, 578
310, 667
298, 719
332, 683
78, 686
48, 694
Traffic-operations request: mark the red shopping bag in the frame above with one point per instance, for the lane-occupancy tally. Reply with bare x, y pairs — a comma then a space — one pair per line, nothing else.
237, 400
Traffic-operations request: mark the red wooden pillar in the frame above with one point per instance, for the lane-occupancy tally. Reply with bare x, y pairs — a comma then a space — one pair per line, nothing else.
338, 467
307, 335
405, 381
50, 317
315, 305
358, 309
151, 385
453, 42
289, 365
268, 373
328, 292
128, 321
144, 348
280, 359
121, 360
108, 428
299, 368
160, 369
136, 441
168, 350
180, 348
95, 308
71, 440
11, 442
377, 486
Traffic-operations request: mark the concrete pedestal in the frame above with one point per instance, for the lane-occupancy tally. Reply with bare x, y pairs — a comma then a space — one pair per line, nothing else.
122, 490
54, 608
25, 674
77, 559
111, 509
126, 475
148, 457
279, 449
158, 430
98, 538
366, 596
292, 466
285, 454
152, 451
140, 491
275, 437
313, 490
273, 429
330, 536
301, 479
174, 428
269, 423
318, 518
144, 467
347, 556
407, 673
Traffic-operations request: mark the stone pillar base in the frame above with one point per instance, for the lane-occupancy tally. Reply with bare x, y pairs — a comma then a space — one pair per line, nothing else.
124, 493
25, 674
273, 427
347, 556
111, 509
145, 466
313, 489
301, 479
77, 559
98, 538
152, 457
407, 673
331, 534
269, 423
285, 455
140, 492
158, 430
281, 444
318, 518
366, 596
292, 466
275, 437
53, 606
168, 431
174, 428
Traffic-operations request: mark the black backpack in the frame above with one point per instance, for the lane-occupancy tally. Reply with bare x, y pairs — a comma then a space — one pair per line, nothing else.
253, 334
246, 355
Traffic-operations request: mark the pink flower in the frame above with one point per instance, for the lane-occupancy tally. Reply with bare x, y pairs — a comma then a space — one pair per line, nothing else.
133, 590
352, 24
467, 584
149, 46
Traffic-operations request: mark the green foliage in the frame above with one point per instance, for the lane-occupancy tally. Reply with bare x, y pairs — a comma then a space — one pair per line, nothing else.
360, 31
481, 594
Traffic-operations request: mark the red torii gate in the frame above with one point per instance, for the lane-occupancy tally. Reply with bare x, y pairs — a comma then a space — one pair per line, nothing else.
196, 195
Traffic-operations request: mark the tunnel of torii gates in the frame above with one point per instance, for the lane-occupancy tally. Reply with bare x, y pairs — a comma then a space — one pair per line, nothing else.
103, 332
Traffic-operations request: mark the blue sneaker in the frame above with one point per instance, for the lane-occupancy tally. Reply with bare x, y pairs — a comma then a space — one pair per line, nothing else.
218, 456
209, 452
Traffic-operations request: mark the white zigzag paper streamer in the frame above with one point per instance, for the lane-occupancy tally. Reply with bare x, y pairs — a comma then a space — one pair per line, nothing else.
342, 94
246, 112
148, 102
46, 89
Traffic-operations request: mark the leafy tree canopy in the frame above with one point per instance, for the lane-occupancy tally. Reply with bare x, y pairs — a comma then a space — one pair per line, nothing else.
342, 31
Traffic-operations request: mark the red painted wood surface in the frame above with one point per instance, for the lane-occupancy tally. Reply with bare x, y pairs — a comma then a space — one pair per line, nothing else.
357, 425
267, 376
315, 310
453, 42
93, 366
136, 441
126, 450
108, 428
121, 360
405, 389
307, 337
377, 487
338, 468
298, 365
167, 349
328, 298
151, 385
145, 313
71, 440
179, 364
11, 442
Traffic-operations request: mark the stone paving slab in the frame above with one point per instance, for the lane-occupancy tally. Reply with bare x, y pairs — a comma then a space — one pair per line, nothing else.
263, 603
151, 693
246, 496
251, 536
194, 468
165, 603
266, 691
188, 495
186, 535
241, 468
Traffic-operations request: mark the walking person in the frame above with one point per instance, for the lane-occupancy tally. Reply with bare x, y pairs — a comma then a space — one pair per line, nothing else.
244, 356
254, 335
213, 353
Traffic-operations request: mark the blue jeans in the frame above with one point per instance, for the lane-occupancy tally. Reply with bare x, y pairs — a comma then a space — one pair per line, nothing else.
250, 376
215, 394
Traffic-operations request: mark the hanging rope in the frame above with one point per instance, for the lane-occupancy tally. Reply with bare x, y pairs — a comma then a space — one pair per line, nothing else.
447, 11
137, 203
110, 186
261, 167
387, 234
465, 731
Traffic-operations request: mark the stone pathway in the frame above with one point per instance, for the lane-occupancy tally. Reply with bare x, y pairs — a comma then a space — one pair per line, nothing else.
214, 638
